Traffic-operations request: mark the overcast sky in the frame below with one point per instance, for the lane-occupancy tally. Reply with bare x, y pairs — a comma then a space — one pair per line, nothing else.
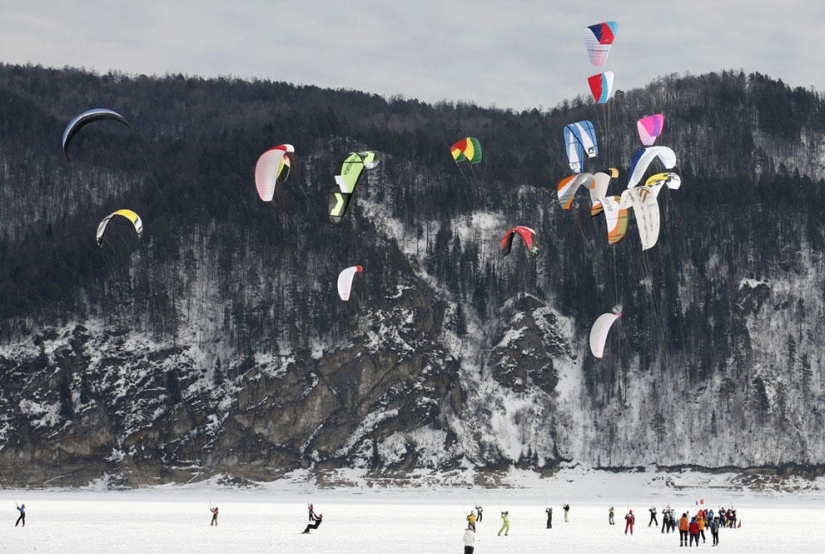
516, 54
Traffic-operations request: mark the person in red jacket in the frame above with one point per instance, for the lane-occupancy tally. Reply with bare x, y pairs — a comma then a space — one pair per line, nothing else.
693, 529
630, 519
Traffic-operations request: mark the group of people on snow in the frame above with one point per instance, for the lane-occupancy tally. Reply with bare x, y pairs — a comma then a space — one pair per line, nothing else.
691, 528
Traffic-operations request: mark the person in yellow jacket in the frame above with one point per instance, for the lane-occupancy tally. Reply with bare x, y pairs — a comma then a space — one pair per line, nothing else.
505, 524
701, 521
471, 520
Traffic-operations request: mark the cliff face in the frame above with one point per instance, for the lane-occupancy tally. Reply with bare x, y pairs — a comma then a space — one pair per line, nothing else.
217, 343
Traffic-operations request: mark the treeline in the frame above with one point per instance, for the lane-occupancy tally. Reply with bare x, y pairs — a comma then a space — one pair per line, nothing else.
262, 271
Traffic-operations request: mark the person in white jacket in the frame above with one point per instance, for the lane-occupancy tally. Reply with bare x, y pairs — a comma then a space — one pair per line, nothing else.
469, 540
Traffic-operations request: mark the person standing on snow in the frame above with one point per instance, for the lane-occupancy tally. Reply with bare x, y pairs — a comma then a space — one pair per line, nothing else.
693, 529
714, 530
479, 511
315, 525
701, 521
471, 520
549, 517
566, 509
505, 524
22, 518
469, 540
311, 513
214, 516
610, 515
630, 520
653, 518
684, 528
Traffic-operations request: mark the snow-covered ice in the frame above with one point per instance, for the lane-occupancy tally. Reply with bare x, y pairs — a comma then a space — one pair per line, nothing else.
269, 519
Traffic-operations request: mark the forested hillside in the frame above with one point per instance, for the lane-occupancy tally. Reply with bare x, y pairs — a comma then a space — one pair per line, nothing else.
217, 342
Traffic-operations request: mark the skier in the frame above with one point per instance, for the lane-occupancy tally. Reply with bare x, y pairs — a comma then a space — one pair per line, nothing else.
610, 515
630, 520
469, 540
315, 525
549, 517
22, 518
566, 509
471, 520
479, 511
653, 518
214, 516
714, 530
505, 524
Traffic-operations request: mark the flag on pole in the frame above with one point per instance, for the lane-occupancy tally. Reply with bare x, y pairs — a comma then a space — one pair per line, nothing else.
700, 502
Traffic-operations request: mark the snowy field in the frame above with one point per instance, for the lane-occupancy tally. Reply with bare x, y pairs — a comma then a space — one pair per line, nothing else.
270, 520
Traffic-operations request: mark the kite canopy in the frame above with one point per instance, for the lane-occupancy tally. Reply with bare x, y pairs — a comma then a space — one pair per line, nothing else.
272, 169
345, 281
646, 210
601, 181
671, 180
599, 38
128, 214
615, 214
580, 139
526, 233
598, 333
467, 150
644, 157
89, 116
600, 86
650, 127
346, 178
569, 185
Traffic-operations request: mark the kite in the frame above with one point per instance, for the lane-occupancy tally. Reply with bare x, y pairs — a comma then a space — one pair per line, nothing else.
599, 38
650, 127
346, 178
600, 86
345, 281
598, 333
526, 233
128, 214
272, 169
84, 119
580, 139
467, 150
644, 157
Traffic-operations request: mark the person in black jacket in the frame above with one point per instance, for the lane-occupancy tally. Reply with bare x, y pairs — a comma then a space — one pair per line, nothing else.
214, 516
549, 517
22, 518
315, 525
